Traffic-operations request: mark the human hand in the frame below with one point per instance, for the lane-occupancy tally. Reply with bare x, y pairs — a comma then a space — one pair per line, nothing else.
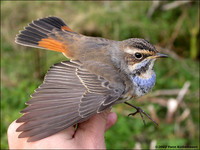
89, 134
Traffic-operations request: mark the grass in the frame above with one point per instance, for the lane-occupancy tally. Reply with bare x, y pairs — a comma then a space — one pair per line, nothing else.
23, 69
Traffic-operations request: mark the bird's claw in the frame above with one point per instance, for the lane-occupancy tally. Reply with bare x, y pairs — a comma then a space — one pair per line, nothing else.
139, 110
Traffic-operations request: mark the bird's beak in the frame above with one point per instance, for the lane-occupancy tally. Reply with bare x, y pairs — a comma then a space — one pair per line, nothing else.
159, 55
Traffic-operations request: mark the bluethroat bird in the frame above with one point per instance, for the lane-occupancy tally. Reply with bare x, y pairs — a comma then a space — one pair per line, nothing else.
100, 73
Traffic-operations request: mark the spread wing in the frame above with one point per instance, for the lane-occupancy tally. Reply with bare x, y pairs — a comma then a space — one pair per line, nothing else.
70, 94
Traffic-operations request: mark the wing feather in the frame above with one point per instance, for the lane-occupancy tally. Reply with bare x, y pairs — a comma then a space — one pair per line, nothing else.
69, 95
54, 105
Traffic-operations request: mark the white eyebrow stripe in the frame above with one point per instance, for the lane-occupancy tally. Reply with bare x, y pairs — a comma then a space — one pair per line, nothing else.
134, 50
131, 51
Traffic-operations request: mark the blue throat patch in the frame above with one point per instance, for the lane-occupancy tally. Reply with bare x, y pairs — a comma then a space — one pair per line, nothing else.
143, 84
142, 64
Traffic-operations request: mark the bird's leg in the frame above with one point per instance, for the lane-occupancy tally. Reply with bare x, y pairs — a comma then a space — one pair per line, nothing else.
139, 110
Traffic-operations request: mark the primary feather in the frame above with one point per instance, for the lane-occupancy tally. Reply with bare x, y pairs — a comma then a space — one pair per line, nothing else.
63, 100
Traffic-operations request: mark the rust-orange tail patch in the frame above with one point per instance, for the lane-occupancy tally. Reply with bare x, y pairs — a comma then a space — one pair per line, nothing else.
44, 33
66, 28
52, 44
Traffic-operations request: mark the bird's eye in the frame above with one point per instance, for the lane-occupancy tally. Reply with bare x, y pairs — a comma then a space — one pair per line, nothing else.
138, 55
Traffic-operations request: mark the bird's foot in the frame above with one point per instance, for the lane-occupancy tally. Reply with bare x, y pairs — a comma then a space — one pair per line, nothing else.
141, 112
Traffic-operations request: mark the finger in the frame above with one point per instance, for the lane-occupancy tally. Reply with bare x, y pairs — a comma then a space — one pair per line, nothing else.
112, 119
13, 141
55, 141
95, 123
91, 132
66, 134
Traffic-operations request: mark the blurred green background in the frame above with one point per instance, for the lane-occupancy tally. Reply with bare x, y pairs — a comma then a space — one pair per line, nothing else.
174, 31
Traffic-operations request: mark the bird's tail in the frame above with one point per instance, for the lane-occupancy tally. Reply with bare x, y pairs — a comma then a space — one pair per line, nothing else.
48, 33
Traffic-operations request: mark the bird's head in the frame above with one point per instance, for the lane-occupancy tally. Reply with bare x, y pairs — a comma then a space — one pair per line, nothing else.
139, 56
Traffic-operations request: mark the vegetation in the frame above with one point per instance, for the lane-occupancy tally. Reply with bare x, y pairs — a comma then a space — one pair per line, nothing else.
175, 32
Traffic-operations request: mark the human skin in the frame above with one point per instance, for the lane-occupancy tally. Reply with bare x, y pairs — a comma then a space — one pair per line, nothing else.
89, 135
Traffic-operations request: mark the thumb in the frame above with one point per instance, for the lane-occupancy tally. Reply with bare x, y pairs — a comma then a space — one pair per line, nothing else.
91, 132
